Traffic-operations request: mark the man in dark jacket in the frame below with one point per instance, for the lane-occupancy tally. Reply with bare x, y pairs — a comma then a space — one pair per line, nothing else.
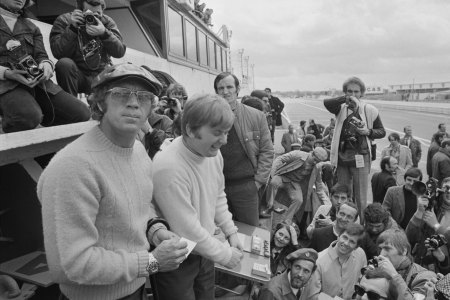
277, 107
248, 154
383, 180
434, 147
441, 161
84, 48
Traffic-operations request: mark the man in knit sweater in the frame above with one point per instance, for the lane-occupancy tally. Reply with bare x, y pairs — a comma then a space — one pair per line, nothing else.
189, 192
96, 198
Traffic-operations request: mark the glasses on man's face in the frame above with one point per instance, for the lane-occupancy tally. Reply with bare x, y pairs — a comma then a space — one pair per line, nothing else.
123, 95
370, 295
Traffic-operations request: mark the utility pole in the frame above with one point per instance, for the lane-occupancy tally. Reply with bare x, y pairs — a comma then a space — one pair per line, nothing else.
246, 58
253, 75
241, 52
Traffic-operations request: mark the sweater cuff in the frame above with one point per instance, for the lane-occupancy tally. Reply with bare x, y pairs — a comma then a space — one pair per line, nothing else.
142, 263
2, 72
230, 230
50, 63
151, 233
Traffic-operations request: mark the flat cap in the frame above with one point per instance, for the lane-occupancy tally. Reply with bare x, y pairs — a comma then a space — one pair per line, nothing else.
303, 254
296, 145
321, 153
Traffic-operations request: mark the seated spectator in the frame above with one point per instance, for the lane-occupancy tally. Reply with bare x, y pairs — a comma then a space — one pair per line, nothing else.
330, 127
396, 265
328, 138
290, 137
84, 49
321, 238
326, 214
27, 100
339, 266
376, 220
315, 129
383, 180
176, 97
295, 283
253, 102
283, 242
400, 201
308, 143
401, 152
423, 225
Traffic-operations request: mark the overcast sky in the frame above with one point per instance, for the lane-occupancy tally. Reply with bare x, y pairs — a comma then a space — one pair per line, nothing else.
317, 44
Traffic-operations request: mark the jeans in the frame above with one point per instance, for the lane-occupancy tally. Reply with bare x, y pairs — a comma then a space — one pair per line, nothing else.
71, 78
23, 108
193, 280
359, 178
243, 200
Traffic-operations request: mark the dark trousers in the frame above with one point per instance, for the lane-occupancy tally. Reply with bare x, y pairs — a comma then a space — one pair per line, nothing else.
243, 202
140, 294
71, 78
23, 108
193, 280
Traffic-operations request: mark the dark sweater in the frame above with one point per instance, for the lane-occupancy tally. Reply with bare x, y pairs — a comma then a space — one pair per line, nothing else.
322, 238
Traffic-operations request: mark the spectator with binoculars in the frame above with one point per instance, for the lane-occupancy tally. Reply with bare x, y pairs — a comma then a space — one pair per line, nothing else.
84, 41
396, 265
430, 248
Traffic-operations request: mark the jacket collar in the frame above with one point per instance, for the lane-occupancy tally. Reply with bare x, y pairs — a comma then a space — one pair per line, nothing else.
286, 285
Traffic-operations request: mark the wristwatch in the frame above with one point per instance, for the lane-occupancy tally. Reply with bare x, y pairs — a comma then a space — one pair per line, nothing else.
153, 264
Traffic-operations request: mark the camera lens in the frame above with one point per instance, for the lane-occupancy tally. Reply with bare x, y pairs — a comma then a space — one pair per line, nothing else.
30, 63
90, 20
34, 71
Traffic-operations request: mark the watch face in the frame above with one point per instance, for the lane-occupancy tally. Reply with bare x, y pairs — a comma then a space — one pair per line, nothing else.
153, 265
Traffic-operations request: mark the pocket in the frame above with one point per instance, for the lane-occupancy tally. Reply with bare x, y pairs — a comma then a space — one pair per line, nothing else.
252, 135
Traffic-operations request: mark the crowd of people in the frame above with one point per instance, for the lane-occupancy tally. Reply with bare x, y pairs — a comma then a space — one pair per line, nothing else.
161, 170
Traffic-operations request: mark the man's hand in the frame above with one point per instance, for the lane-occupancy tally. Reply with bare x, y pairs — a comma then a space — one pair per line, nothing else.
294, 237
76, 18
323, 222
170, 254
236, 257
386, 267
18, 75
422, 203
440, 256
48, 71
177, 107
363, 131
96, 30
235, 242
164, 234
430, 218
8, 287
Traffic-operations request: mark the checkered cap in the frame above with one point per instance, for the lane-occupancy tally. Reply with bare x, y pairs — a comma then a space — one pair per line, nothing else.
443, 286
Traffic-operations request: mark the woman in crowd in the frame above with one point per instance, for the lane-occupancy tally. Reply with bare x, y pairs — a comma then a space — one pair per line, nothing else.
176, 96
284, 241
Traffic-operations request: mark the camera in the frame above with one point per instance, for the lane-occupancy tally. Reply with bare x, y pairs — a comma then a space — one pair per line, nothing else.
89, 18
321, 216
373, 262
91, 48
27, 63
437, 241
428, 189
354, 121
171, 102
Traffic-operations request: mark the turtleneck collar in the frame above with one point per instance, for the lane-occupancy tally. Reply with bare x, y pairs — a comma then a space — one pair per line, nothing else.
191, 154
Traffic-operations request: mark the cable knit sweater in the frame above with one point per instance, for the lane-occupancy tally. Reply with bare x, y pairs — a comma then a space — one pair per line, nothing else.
189, 192
96, 201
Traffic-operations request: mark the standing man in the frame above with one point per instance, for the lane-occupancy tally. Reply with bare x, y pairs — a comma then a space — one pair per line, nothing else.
289, 138
441, 129
339, 266
292, 172
441, 162
97, 213
357, 124
432, 150
413, 144
277, 107
294, 283
84, 45
400, 201
383, 180
248, 154
302, 129
189, 192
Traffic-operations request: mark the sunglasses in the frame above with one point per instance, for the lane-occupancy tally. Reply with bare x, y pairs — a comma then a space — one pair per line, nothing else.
123, 95
370, 295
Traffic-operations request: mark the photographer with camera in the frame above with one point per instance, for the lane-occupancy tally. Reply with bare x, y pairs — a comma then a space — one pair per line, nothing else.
175, 99
84, 41
357, 125
430, 247
27, 96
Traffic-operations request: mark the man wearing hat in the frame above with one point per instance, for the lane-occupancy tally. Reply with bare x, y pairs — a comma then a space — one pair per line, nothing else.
295, 283
296, 173
83, 41
98, 217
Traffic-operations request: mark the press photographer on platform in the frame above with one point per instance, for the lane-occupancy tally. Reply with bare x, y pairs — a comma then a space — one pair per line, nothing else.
84, 41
